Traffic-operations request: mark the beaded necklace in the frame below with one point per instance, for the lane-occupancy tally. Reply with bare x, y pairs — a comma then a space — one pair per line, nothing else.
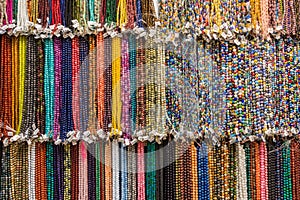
190, 89
162, 93
253, 176
148, 12
283, 87
277, 87
92, 123
294, 169
179, 170
121, 17
30, 85
50, 171
159, 173
225, 158
67, 172
83, 12
255, 13
257, 170
110, 11
83, 172
130, 182
226, 60
133, 89
15, 84
241, 174
69, 15
58, 86
167, 189
240, 88
141, 171
150, 171
272, 172
5, 192
91, 171
102, 169
169, 181
233, 168
264, 5
291, 78
49, 86
65, 118
202, 168
22, 53
31, 170
218, 83
3, 16
84, 80
172, 100
158, 65
289, 17
125, 85
263, 171
212, 158
116, 87
15, 8
279, 170
40, 112
297, 7
140, 85
204, 65
115, 171
108, 171
97, 169
287, 183
13, 170
58, 167
69, 101
40, 175
151, 88
97, 6
74, 171
131, 13
91, 10
139, 17
124, 173
102, 11
16, 166
75, 83
6, 77
50, 12
248, 169
63, 14
194, 174
81, 149
132, 172
187, 178
100, 80
24, 171
269, 85
108, 84
56, 12
272, 13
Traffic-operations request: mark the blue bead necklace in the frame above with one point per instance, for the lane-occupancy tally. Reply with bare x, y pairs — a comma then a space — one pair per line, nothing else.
203, 176
66, 119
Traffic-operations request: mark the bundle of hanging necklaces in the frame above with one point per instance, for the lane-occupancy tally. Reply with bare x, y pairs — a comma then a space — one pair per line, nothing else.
149, 99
